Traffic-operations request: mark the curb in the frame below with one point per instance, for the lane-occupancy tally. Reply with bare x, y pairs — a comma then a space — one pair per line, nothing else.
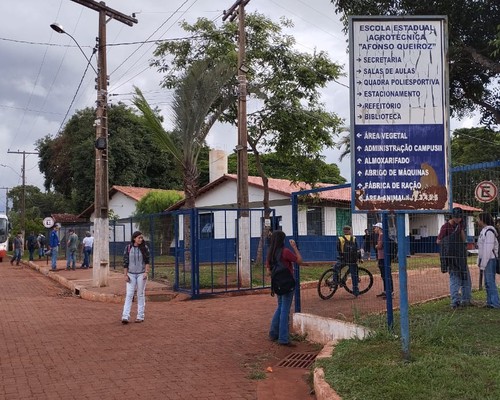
88, 294
322, 389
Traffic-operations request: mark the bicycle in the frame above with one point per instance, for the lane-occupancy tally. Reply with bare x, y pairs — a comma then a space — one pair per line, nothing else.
328, 285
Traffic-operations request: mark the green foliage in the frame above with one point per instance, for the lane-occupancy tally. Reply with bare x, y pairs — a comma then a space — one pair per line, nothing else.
473, 38
157, 201
67, 159
288, 117
454, 354
38, 205
472, 146
292, 168
194, 115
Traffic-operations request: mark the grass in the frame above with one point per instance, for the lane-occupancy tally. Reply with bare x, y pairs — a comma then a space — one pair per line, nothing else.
454, 355
220, 275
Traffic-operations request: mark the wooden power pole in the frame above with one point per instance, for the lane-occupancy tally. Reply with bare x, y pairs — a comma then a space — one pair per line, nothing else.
238, 10
101, 203
23, 192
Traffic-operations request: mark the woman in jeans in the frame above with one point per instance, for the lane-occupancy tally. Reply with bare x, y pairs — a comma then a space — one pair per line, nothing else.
279, 324
487, 246
135, 268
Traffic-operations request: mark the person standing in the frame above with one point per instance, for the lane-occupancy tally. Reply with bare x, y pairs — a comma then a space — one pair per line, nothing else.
88, 243
367, 245
32, 243
54, 246
71, 248
279, 329
379, 247
487, 245
41, 245
18, 248
453, 258
136, 269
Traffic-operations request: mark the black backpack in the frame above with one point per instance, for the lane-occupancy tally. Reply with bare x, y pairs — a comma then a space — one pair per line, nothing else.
282, 281
350, 250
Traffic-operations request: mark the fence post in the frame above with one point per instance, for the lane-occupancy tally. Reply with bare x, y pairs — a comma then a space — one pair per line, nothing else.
403, 287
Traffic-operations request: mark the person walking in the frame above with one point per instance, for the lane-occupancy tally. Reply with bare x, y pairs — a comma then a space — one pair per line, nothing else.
386, 279
32, 243
279, 330
71, 248
453, 257
88, 243
54, 246
367, 245
18, 248
41, 245
487, 245
136, 269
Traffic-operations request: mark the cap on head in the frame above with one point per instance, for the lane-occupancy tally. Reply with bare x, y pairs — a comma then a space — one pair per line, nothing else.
346, 228
457, 213
58, 225
378, 225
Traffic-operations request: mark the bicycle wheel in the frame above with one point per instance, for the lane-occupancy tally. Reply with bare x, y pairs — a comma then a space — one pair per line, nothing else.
326, 285
365, 280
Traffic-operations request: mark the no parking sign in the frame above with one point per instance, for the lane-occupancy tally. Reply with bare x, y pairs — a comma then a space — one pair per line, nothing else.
486, 191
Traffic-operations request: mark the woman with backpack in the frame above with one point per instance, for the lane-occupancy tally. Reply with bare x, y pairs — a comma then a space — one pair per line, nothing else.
487, 245
278, 255
135, 268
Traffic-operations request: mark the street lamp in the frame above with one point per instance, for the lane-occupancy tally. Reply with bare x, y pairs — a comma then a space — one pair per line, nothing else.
59, 29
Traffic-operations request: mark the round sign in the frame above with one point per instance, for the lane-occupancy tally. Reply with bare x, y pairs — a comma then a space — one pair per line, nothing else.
48, 222
486, 191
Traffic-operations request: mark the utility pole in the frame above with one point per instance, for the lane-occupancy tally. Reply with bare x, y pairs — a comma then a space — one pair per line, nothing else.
101, 203
238, 10
23, 192
6, 199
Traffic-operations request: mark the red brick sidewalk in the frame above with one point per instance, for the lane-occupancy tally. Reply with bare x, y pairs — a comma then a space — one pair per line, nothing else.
58, 346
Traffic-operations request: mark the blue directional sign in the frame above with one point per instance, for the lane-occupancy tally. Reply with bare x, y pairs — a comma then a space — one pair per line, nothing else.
399, 113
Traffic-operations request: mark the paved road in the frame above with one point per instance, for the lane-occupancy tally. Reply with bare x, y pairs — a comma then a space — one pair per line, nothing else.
57, 346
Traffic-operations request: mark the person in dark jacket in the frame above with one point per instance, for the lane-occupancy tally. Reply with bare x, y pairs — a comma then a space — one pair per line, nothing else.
453, 256
136, 269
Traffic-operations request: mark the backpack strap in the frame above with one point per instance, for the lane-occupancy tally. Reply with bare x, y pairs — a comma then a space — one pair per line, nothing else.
496, 237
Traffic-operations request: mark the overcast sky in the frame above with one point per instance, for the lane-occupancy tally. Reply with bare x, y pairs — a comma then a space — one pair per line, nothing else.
41, 69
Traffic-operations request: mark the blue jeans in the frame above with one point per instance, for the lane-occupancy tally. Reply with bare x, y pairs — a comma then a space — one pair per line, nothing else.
54, 251
71, 260
41, 252
490, 284
279, 323
353, 270
460, 287
31, 251
16, 257
86, 256
139, 281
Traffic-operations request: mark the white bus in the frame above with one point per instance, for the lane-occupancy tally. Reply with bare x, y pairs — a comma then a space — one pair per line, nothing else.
4, 236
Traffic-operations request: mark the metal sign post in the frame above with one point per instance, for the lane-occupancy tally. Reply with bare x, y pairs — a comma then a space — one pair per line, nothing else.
399, 124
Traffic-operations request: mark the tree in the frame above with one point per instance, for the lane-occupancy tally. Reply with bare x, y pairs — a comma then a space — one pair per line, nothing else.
474, 64
162, 229
194, 115
67, 160
37, 206
278, 168
473, 146
288, 117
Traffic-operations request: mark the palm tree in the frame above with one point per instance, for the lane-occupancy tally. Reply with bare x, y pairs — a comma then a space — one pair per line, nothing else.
199, 100
345, 141
202, 87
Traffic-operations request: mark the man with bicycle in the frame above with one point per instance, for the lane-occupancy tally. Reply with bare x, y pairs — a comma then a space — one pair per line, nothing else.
348, 254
